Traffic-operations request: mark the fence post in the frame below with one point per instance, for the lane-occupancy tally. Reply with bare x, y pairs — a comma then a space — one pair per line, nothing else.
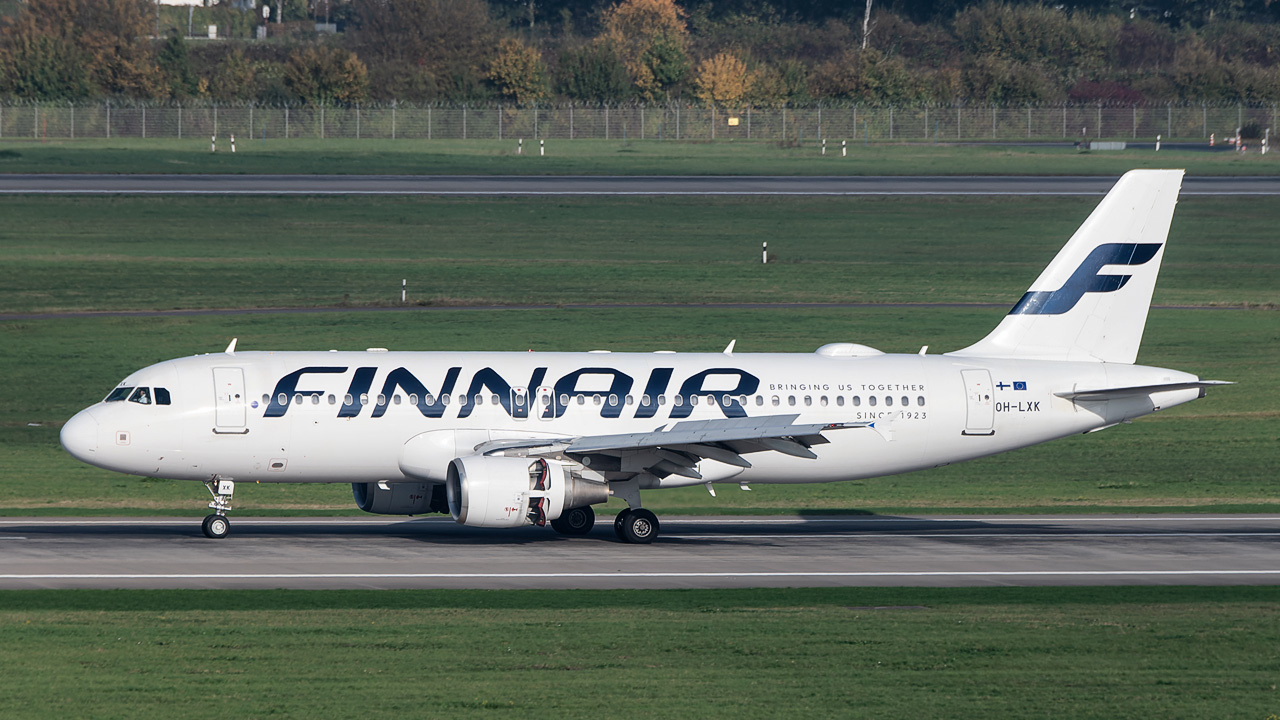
1169, 129
73, 121
784, 120
464, 123
35, 120
748, 122
926, 122
642, 123
321, 122
570, 121
215, 119
993, 122
108, 104
535, 120
393, 121
144, 122
677, 122
286, 122
428, 123
358, 121
1204, 118
606, 122
500, 121
1099, 121
1028, 122
890, 122
820, 122
250, 123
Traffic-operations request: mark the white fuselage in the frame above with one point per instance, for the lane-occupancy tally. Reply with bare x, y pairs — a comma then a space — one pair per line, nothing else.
349, 416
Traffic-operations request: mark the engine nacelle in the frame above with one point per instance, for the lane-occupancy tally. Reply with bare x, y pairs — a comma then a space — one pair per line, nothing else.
395, 498
507, 492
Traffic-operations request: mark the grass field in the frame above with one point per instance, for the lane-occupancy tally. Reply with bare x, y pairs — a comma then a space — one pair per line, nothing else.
105, 253
599, 157
957, 653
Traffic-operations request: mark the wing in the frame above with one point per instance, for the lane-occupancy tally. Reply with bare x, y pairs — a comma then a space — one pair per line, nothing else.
678, 449
1115, 393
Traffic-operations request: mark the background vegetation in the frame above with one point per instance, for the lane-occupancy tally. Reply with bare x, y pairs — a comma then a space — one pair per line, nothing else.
591, 51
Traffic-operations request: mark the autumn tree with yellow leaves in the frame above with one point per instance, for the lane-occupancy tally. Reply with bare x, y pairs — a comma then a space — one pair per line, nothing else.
723, 80
321, 75
651, 38
518, 72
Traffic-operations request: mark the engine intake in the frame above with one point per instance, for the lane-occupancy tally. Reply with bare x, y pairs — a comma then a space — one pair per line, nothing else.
507, 492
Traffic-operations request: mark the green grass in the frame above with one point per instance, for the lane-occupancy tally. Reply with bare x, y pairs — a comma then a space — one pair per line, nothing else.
956, 653
1216, 453
106, 253
596, 157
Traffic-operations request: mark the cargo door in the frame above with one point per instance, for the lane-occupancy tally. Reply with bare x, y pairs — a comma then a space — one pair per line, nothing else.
980, 412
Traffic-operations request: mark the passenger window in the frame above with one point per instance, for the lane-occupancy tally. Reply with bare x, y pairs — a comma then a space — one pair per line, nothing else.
297, 399
775, 401
396, 398
494, 400
630, 400
162, 396
871, 400
808, 401
315, 399
582, 399
822, 401
920, 401
791, 400
564, 399
266, 399
142, 396
333, 400
759, 400
888, 401
613, 400
282, 399
120, 393
693, 399
857, 401
595, 399
347, 399
644, 400
662, 399
678, 400
840, 400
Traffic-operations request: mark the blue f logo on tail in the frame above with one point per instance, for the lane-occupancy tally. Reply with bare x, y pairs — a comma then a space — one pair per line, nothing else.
1086, 279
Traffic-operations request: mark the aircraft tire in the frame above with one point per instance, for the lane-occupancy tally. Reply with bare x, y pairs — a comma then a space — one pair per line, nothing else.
618, 523
576, 521
216, 527
640, 527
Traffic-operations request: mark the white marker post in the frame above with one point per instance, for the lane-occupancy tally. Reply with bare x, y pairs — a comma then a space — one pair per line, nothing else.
764, 253
233, 142
824, 146
1157, 143
844, 150
404, 286
520, 146
542, 148
213, 143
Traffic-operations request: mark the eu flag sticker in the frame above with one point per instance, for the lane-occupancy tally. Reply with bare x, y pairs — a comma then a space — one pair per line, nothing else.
1019, 385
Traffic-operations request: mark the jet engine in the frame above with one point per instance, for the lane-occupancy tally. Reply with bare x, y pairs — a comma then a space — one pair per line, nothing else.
397, 498
507, 492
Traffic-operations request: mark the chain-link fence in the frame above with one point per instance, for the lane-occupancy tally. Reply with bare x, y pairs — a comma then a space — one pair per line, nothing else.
665, 122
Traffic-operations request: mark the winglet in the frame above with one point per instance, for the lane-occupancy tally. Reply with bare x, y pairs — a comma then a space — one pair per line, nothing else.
231, 349
729, 350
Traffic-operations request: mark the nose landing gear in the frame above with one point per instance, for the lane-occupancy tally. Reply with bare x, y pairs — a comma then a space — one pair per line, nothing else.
216, 526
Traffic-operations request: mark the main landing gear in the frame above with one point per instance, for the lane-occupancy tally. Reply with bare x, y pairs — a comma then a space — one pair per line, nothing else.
577, 521
631, 526
216, 526
636, 526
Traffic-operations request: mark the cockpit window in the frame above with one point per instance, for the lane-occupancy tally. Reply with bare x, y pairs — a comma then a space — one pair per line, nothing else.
142, 396
162, 396
119, 394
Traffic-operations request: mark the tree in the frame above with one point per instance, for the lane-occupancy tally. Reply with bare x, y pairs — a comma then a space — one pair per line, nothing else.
425, 49
518, 72
593, 72
175, 65
321, 75
73, 48
650, 36
723, 80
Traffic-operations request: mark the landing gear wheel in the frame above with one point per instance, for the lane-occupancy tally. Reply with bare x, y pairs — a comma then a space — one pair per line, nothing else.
577, 521
216, 527
639, 526
619, 521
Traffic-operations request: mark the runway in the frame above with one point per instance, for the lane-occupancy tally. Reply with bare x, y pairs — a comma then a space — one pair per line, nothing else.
479, 186
693, 552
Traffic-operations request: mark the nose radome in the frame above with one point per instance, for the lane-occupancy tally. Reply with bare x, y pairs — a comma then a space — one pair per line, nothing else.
80, 436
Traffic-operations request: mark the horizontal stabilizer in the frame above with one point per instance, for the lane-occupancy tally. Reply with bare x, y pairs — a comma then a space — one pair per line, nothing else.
1114, 393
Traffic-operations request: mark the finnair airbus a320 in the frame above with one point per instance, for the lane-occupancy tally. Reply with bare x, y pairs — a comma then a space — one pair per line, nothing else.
504, 440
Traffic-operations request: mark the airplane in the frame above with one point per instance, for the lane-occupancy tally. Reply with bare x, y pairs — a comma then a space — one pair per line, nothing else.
513, 439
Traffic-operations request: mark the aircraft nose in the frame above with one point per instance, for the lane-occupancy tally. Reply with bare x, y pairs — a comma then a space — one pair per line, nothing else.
80, 436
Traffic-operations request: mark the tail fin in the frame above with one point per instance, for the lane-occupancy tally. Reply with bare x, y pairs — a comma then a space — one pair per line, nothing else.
1091, 302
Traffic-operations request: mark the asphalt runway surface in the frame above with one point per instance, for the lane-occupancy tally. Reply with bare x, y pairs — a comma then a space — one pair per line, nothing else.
471, 185
692, 552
